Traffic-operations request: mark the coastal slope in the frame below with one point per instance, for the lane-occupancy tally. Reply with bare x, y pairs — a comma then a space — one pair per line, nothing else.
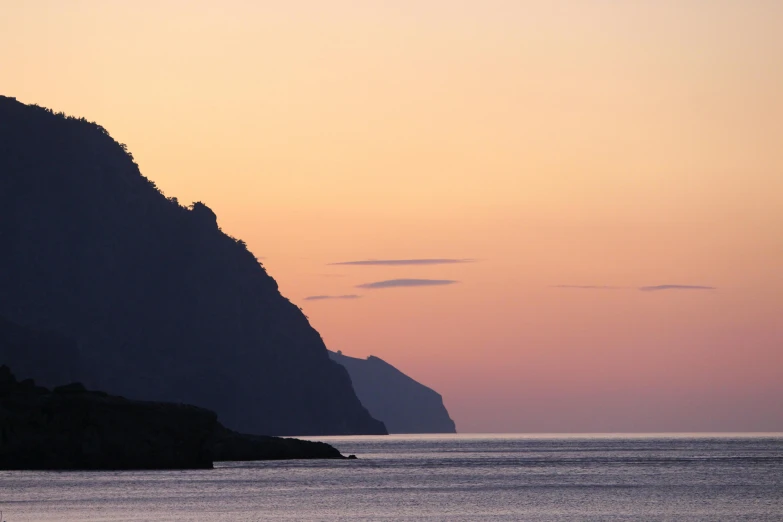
72, 428
403, 404
160, 303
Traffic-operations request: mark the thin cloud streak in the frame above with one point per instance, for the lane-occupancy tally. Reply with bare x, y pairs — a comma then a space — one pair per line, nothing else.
404, 262
589, 287
325, 297
656, 288
659, 288
398, 283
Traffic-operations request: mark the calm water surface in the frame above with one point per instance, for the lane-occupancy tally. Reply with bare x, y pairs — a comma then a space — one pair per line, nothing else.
448, 478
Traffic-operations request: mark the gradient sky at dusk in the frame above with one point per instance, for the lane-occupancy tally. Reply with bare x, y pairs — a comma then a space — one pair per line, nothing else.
597, 185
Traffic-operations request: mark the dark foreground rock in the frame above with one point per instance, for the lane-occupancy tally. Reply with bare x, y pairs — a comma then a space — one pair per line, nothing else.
161, 304
403, 404
72, 428
231, 445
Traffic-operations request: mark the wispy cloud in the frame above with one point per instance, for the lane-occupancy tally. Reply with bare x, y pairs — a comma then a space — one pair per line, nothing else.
324, 297
397, 283
404, 262
589, 287
659, 288
656, 288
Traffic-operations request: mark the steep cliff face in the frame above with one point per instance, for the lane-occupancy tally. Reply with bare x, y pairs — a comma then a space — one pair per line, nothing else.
161, 303
404, 405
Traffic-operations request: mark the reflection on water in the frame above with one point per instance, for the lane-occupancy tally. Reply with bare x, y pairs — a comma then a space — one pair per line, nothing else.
449, 478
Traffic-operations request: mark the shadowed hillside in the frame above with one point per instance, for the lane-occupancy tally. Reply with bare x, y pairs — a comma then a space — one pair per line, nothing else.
404, 405
161, 303
32, 352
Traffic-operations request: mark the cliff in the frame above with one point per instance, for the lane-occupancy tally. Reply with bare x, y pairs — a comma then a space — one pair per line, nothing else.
160, 303
404, 405
72, 428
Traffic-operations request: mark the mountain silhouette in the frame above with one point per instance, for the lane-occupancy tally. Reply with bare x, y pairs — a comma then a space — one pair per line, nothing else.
159, 302
403, 404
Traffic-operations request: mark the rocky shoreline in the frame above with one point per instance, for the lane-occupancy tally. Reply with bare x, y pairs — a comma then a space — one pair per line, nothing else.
71, 428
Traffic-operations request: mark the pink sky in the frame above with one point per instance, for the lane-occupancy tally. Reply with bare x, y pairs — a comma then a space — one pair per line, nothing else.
555, 144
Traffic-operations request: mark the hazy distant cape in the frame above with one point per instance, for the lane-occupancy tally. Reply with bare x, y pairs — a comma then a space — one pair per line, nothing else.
404, 405
160, 303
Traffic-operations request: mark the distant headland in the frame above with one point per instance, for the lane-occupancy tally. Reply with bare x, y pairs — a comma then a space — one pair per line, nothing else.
404, 405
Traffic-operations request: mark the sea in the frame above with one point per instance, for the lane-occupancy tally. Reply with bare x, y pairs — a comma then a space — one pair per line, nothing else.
543, 478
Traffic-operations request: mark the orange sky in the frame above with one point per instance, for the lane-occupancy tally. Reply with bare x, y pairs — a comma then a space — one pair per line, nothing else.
583, 143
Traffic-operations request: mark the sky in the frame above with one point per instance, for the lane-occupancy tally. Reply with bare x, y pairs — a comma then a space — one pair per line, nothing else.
574, 208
